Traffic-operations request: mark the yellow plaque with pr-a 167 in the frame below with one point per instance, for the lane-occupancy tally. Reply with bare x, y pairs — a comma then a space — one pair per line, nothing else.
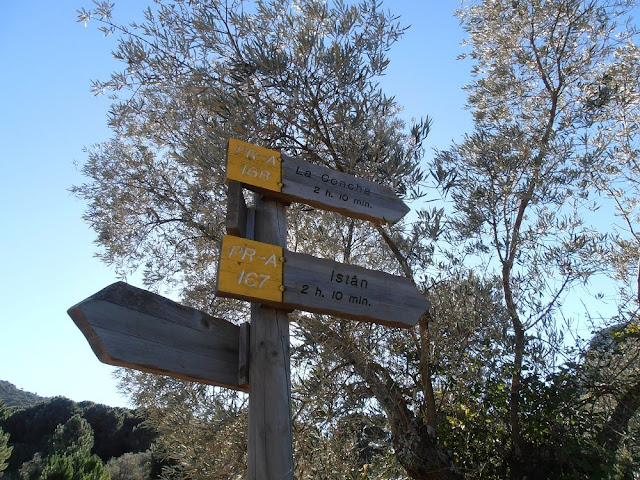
250, 270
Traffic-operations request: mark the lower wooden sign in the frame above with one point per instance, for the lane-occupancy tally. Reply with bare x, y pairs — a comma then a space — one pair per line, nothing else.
253, 271
324, 286
130, 327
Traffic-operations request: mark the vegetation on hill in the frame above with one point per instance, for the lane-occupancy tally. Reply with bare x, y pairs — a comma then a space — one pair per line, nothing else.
61, 439
13, 396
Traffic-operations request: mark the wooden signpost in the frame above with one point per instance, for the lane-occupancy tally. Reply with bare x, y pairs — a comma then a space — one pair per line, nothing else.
291, 179
270, 440
130, 327
252, 270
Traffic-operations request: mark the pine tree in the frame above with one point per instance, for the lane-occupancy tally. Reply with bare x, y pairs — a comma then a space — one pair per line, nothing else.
70, 457
5, 451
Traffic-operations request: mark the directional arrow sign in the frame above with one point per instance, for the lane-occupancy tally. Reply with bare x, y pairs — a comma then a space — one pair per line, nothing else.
292, 179
130, 327
257, 271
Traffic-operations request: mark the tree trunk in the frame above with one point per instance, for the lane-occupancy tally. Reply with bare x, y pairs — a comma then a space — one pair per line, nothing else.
415, 447
425, 374
613, 431
516, 460
515, 455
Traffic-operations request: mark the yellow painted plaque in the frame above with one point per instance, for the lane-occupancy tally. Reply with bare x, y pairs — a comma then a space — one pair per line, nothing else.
250, 269
253, 165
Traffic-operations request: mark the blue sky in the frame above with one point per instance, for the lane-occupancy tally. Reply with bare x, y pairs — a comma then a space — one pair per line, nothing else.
48, 115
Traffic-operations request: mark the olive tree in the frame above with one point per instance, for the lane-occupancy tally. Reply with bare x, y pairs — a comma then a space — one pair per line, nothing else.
298, 76
555, 113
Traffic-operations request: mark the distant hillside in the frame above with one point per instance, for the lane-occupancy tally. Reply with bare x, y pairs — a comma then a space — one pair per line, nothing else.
116, 431
13, 396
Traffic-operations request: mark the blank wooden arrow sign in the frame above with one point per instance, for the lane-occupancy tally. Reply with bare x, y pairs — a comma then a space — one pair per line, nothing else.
260, 272
130, 327
292, 179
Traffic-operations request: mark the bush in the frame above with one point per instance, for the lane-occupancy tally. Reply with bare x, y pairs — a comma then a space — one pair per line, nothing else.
130, 466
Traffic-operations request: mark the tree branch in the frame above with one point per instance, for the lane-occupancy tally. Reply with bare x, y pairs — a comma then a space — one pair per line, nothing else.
396, 252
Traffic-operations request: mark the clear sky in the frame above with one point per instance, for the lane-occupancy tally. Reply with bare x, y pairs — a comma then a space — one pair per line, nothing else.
47, 116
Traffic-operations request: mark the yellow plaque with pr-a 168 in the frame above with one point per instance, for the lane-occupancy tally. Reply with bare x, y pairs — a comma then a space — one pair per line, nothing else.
254, 165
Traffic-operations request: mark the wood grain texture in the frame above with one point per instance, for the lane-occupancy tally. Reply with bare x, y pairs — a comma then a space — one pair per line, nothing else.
131, 327
243, 355
270, 445
317, 285
249, 270
349, 291
253, 165
340, 192
236, 218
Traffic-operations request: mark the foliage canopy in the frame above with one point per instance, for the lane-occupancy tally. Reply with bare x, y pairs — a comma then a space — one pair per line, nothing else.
493, 367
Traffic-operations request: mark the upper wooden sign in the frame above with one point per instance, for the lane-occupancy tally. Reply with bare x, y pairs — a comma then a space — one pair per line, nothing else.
257, 271
292, 179
130, 327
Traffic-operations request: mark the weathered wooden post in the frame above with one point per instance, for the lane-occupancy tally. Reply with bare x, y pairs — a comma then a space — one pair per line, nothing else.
270, 445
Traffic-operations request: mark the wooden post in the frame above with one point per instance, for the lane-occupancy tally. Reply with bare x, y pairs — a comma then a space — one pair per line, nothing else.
270, 446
